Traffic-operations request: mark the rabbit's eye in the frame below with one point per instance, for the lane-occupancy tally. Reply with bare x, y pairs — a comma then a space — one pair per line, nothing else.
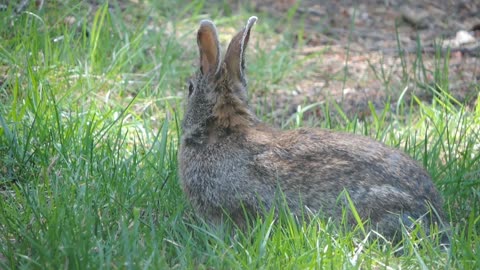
190, 88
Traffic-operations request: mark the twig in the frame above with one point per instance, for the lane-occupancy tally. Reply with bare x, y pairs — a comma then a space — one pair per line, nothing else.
23, 5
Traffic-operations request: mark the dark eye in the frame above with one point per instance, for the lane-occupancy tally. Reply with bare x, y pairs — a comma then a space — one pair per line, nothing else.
190, 88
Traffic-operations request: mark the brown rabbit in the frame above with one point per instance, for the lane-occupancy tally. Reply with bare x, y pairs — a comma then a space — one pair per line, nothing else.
231, 163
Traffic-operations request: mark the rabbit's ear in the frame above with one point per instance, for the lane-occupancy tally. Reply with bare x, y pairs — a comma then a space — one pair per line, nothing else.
235, 56
209, 47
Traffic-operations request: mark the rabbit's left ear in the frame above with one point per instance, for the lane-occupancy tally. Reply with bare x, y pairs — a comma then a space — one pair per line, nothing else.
235, 55
209, 47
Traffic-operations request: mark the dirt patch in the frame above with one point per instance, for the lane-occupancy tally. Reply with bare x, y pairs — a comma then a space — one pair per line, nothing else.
381, 50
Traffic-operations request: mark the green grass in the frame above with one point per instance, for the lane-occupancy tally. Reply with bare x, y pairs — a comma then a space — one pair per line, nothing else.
89, 127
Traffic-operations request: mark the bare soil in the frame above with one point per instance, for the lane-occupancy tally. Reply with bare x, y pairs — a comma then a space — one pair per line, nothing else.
362, 44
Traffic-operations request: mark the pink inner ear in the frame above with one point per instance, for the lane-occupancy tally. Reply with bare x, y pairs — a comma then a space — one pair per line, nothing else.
208, 45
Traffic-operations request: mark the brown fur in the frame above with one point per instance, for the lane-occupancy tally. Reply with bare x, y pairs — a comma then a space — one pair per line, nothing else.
231, 162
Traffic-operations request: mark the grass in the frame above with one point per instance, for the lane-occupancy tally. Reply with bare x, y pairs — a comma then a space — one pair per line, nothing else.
89, 127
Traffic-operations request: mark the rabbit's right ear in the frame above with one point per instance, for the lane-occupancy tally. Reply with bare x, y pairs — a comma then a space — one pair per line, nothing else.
209, 47
235, 56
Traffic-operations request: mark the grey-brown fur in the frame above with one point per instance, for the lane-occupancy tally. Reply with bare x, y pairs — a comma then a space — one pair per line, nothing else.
231, 162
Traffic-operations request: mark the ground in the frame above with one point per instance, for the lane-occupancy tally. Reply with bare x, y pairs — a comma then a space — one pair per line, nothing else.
374, 39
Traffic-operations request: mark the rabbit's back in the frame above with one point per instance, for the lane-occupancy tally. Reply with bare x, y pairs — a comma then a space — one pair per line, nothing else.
311, 168
318, 165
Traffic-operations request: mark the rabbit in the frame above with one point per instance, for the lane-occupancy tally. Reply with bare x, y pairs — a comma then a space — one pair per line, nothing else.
231, 164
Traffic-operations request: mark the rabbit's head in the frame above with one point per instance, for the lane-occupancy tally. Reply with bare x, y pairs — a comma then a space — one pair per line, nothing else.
217, 93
